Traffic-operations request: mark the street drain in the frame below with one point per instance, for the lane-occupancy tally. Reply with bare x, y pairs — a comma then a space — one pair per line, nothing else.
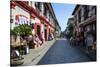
35, 58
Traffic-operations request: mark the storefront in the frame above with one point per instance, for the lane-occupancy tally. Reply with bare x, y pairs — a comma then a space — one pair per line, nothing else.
19, 16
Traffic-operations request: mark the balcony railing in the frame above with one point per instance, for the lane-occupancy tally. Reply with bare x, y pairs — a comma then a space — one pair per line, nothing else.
88, 20
26, 2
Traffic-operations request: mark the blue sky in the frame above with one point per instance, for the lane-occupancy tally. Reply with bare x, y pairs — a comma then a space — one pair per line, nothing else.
63, 12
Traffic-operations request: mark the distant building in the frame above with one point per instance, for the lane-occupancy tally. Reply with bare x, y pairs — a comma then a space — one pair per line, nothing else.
85, 22
57, 29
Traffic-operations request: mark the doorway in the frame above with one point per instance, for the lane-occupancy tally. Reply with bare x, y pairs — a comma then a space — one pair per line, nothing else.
45, 34
38, 30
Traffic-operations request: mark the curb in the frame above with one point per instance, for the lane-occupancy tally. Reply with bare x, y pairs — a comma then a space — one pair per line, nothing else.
39, 55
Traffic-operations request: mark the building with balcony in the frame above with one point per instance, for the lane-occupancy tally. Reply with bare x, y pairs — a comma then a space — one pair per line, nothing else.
69, 29
85, 23
57, 30
38, 14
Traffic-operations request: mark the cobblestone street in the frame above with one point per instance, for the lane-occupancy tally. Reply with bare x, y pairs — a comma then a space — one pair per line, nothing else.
62, 52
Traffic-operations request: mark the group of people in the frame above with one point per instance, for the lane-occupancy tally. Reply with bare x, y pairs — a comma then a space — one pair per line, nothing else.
87, 42
74, 41
37, 40
50, 37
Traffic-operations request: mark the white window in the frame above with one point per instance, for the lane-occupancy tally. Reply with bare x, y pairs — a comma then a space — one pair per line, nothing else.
30, 3
22, 20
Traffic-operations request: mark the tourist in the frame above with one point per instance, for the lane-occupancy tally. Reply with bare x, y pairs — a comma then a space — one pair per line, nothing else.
37, 41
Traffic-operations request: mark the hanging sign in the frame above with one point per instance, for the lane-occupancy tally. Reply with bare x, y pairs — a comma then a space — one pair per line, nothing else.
21, 19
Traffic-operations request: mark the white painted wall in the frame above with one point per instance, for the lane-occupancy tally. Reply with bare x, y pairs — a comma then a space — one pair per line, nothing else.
18, 11
37, 20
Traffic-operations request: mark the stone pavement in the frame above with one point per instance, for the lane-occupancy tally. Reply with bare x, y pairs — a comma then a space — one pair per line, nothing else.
92, 55
36, 54
63, 52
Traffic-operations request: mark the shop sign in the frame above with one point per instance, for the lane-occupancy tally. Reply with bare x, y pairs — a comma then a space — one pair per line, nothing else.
21, 19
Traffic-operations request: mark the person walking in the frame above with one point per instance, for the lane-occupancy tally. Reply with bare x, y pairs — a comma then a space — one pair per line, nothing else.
41, 37
37, 41
89, 43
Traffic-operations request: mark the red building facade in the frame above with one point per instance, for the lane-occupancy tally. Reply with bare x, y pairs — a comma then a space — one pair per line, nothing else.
40, 15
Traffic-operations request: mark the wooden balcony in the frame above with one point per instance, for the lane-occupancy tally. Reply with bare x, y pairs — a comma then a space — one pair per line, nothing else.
31, 10
89, 20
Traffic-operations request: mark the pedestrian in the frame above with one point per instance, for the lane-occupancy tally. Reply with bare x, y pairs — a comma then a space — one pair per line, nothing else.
37, 41
52, 36
49, 37
89, 43
30, 41
71, 39
74, 41
77, 41
41, 37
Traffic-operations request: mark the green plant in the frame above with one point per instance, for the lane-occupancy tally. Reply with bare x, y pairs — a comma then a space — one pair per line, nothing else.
70, 29
22, 30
